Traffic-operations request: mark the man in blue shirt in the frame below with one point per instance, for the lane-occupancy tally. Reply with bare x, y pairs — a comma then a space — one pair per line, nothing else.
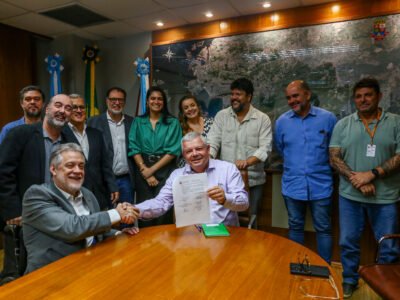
302, 137
31, 99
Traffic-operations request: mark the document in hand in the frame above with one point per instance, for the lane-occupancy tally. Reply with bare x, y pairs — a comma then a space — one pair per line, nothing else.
211, 230
191, 202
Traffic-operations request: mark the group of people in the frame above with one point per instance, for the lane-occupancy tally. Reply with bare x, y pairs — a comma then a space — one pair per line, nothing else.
69, 180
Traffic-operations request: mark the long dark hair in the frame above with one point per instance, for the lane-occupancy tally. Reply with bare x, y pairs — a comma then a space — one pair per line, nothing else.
165, 114
182, 118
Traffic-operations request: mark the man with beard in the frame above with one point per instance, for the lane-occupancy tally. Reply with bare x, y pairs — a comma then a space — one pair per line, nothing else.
115, 126
63, 217
99, 177
302, 137
242, 135
31, 99
24, 161
365, 151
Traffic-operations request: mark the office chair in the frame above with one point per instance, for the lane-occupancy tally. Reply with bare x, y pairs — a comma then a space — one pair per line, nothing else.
383, 278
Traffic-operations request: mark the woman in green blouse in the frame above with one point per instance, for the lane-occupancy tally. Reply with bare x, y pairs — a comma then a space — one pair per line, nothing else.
154, 144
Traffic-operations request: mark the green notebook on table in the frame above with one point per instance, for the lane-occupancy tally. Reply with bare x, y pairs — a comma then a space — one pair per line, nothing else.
211, 230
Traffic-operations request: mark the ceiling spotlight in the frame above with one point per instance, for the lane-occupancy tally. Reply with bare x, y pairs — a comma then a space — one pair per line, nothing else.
335, 8
209, 14
266, 5
159, 24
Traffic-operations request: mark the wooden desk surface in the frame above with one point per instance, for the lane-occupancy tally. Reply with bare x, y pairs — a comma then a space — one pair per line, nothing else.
164, 262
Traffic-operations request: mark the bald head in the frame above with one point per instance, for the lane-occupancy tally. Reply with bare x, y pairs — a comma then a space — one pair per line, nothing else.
58, 111
298, 96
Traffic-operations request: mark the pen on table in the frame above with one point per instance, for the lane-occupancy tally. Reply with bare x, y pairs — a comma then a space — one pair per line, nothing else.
198, 227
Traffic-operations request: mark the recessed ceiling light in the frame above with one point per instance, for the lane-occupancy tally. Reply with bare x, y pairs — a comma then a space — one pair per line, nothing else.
159, 24
266, 5
209, 14
335, 8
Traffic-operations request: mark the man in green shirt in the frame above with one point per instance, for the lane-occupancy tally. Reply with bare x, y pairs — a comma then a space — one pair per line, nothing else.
365, 150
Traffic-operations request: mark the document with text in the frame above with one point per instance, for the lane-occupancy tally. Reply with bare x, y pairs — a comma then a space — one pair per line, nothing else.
190, 199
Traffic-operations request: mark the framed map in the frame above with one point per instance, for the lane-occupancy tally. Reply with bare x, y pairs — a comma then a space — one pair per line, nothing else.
330, 57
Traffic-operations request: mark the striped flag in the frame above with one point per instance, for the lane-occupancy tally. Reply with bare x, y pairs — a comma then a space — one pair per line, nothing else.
90, 57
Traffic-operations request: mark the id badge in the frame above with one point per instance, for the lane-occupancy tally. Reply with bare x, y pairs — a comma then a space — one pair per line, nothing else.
371, 150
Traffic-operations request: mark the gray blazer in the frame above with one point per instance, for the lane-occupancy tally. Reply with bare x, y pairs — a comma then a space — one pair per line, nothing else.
51, 228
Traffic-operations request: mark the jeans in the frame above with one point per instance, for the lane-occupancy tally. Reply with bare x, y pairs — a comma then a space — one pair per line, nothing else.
352, 216
321, 211
125, 189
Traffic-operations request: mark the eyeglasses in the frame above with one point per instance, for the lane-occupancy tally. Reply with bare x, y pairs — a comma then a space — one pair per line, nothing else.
78, 107
115, 100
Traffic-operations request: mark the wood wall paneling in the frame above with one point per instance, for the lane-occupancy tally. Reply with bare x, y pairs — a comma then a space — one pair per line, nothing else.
16, 71
289, 18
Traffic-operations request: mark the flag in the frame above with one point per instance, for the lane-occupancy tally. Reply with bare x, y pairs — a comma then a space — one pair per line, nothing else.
90, 57
54, 67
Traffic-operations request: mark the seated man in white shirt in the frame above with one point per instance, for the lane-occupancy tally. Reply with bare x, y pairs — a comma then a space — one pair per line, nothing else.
226, 192
63, 217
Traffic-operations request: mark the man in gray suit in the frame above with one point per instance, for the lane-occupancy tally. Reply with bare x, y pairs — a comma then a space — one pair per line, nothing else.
63, 217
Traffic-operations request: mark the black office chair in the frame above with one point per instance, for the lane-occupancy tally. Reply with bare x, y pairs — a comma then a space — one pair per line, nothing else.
384, 279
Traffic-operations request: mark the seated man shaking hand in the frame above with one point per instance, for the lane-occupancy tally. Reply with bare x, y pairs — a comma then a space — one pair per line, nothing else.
226, 188
63, 217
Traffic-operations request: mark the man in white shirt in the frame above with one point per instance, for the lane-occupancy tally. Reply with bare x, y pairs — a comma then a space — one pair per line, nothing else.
115, 126
242, 135
63, 217
99, 176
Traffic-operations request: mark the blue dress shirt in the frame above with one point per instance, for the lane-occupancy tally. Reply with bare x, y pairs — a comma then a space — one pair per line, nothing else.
303, 143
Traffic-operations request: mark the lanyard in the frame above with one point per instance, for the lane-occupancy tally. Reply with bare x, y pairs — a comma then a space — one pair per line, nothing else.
372, 133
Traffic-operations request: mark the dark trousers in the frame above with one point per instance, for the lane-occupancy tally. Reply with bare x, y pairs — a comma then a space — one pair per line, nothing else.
14, 262
146, 192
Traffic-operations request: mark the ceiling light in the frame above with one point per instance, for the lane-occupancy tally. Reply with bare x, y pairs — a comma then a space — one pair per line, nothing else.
266, 5
335, 8
159, 24
209, 14
274, 17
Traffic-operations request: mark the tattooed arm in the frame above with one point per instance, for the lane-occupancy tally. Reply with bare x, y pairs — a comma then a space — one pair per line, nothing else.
337, 163
391, 166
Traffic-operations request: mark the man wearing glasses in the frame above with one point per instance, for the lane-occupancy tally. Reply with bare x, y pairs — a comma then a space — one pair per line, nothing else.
115, 126
31, 99
24, 161
99, 177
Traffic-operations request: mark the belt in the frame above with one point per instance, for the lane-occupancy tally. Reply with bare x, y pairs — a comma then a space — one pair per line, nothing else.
152, 158
121, 176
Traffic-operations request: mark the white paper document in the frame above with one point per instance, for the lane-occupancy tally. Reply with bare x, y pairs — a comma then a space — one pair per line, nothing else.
190, 199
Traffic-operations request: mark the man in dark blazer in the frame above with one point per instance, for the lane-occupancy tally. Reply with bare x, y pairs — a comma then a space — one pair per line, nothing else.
115, 126
62, 217
24, 161
99, 177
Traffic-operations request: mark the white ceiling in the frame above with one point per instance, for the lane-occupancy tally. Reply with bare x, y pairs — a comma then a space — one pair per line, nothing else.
132, 16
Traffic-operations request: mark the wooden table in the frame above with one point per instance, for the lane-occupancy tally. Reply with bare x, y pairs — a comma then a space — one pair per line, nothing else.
164, 262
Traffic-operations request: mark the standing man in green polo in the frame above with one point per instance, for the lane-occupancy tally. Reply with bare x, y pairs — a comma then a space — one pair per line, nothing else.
365, 150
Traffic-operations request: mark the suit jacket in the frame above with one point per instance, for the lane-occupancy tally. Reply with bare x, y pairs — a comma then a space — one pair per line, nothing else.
99, 177
22, 163
51, 227
101, 123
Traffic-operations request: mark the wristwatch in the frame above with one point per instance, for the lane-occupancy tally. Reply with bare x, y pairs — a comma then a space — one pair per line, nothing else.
375, 172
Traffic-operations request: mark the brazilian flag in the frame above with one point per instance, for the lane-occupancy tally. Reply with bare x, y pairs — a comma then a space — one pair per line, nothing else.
90, 57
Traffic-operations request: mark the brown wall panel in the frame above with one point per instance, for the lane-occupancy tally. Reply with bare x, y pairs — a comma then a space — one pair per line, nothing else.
302, 16
16, 70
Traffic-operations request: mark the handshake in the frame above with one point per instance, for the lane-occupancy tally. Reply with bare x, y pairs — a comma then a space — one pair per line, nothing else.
128, 213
